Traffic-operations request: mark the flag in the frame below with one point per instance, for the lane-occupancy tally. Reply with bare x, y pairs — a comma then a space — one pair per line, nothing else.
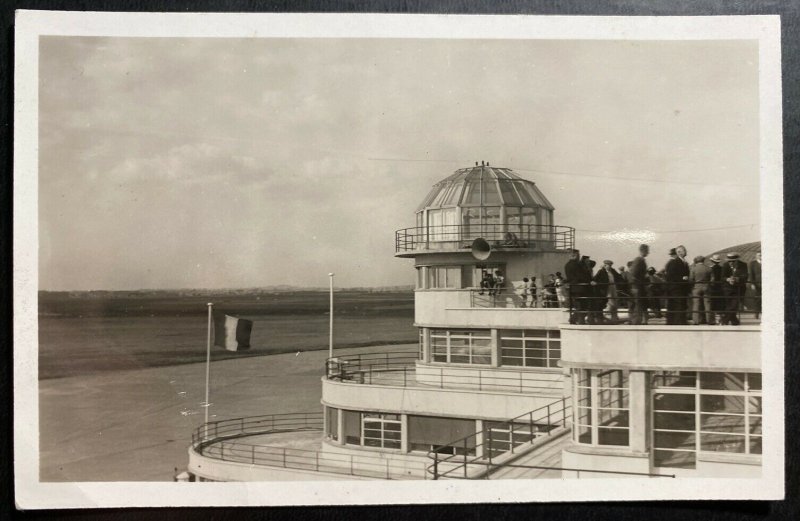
232, 333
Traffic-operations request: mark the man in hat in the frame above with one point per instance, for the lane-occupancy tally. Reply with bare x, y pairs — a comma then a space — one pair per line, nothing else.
637, 276
734, 276
677, 277
700, 277
754, 278
607, 279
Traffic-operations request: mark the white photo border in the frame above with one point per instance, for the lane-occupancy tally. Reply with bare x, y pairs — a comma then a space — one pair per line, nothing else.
30, 25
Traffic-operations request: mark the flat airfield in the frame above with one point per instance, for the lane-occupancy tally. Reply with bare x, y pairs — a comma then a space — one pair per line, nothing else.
136, 425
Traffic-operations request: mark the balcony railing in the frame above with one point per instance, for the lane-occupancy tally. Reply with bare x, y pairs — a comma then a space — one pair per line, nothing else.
538, 236
508, 297
670, 303
219, 440
398, 369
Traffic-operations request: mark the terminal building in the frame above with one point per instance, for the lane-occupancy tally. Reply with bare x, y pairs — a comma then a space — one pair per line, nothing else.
501, 389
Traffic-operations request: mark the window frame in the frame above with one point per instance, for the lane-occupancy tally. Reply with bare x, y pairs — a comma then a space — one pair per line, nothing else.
697, 391
586, 382
552, 342
448, 336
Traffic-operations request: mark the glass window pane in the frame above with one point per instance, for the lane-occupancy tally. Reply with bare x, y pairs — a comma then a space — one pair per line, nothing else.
722, 443
755, 425
490, 194
454, 195
584, 416
754, 381
612, 418
511, 361
613, 398
722, 423
674, 421
722, 381
755, 445
510, 196
722, 403
584, 434
675, 379
674, 459
674, 440
612, 436
754, 404
673, 402
473, 192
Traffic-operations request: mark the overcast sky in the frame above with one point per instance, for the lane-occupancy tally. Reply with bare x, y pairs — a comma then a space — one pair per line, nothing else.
183, 163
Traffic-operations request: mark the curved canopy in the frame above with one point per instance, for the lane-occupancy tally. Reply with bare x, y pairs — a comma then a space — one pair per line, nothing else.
484, 186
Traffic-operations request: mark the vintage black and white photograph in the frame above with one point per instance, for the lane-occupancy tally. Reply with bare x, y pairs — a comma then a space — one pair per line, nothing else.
341, 258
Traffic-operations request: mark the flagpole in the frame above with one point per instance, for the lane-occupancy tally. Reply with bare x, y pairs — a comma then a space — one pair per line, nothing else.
208, 357
330, 337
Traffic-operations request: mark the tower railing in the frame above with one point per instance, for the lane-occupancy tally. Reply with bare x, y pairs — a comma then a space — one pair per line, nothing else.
531, 236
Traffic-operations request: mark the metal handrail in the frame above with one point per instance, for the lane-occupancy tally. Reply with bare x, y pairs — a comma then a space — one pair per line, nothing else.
487, 444
539, 236
673, 301
399, 369
217, 440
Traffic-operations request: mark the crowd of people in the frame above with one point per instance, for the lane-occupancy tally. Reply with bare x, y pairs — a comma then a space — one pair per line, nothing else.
706, 291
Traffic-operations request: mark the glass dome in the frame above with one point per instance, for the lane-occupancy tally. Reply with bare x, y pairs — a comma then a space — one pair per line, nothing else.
484, 201
484, 186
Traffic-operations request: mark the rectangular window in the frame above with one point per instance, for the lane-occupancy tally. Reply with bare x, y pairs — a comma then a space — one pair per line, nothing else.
368, 429
530, 347
420, 278
452, 435
704, 412
602, 407
381, 430
352, 427
444, 277
332, 423
422, 343
461, 346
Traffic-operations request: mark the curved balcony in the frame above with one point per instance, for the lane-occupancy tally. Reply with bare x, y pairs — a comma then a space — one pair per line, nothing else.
403, 369
281, 447
501, 237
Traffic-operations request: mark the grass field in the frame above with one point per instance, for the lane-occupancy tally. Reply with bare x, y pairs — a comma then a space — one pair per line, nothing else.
85, 335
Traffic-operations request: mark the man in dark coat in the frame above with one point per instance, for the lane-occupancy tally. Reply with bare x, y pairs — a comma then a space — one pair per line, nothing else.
734, 277
677, 277
607, 280
578, 278
754, 279
637, 278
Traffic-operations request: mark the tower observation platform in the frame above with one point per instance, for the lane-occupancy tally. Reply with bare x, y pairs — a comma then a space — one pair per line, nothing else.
494, 204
